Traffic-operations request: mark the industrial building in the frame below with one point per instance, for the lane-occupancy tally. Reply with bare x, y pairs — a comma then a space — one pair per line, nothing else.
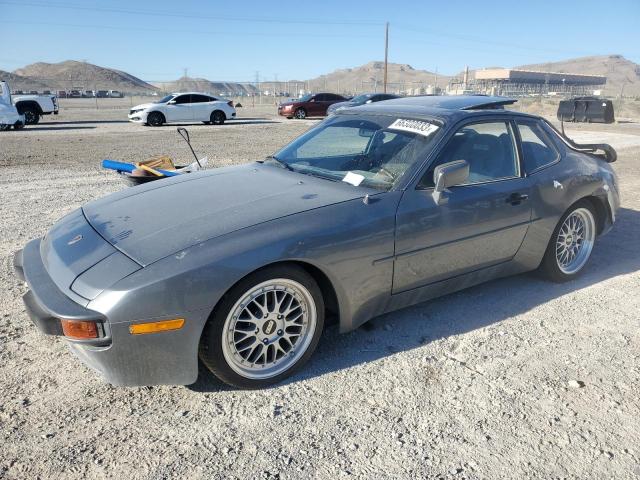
514, 83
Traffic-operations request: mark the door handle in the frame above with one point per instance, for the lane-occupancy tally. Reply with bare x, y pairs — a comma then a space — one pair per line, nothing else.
516, 198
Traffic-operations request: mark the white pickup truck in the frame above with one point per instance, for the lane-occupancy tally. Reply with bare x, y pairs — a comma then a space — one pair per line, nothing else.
34, 106
9, 116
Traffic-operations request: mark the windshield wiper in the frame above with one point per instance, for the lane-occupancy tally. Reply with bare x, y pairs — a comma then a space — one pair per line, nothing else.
277, 160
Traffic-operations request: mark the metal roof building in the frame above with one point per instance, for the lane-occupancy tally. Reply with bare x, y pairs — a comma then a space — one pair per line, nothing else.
514, 82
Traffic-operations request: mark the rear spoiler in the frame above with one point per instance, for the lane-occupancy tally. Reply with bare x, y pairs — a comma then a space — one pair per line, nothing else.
601, 150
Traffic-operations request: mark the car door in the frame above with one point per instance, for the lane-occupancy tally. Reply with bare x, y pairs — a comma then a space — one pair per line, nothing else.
179, 109
201, 107
317, 105
483, 221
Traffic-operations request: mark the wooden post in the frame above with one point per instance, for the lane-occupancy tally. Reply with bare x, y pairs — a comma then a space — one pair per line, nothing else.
386, 55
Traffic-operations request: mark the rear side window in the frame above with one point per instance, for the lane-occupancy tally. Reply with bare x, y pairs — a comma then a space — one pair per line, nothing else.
321, 98
489, 149
200, 99
537, 149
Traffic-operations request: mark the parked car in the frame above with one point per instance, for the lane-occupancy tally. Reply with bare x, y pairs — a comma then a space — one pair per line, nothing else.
374, 209
62, 94
360, 100
9, 115
102, 93
184, 107
89, 94
34, 106
74, 94
115, 94
310, 105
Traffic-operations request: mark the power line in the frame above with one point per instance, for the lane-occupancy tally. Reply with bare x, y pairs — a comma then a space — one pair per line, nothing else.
197, 32
174, 14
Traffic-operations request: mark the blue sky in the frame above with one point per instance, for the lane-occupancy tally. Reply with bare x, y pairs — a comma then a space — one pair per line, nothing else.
299, 40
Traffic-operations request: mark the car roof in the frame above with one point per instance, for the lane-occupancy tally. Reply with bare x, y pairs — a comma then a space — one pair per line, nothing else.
442, 107
192, 93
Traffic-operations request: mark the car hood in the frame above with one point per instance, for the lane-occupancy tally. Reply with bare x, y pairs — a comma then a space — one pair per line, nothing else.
152, 221
286, 104
144, 106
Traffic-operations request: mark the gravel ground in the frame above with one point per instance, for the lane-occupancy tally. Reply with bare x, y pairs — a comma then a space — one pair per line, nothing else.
517, 378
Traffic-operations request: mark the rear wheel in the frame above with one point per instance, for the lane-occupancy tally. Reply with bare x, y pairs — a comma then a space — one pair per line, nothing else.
18, 125
571, 244
31, 115
300, 114
155, 119
265, 328
218, 117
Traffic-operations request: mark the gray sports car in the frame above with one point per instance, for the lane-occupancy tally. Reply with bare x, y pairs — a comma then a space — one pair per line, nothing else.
376, 208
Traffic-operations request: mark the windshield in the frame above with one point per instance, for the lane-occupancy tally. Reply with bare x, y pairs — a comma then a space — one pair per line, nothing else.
164, 99
361, 98
372, 151
305, 98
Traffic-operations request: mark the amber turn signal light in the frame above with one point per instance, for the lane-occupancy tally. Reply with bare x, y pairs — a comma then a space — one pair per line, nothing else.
79, 329
155, 327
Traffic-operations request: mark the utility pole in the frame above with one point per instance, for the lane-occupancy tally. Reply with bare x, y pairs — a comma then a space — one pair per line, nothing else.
386, 55
186, 70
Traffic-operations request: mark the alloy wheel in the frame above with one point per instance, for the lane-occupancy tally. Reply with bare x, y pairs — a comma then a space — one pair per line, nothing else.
575, 240
269, 328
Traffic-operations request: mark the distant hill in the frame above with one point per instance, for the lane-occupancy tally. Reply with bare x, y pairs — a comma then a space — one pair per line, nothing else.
86, 76
188, 84
18, 82
370, 76
618, 70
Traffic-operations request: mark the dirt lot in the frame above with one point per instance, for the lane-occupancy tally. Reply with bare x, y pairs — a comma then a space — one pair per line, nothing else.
517, 378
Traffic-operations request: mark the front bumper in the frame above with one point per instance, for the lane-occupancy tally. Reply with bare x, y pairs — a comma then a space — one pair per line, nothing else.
44, 302
164, 358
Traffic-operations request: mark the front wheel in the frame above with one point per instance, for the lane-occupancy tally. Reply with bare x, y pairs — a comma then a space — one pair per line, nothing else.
155, 119
218, 117
571, 244
300, 114
265, 328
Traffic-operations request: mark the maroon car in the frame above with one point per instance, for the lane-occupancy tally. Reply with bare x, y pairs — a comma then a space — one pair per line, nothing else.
310, 105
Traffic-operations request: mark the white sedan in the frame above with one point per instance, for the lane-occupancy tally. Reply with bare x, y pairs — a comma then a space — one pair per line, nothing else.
183, 107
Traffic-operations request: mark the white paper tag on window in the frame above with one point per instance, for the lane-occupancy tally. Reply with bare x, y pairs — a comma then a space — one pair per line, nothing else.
414, 126
353, 178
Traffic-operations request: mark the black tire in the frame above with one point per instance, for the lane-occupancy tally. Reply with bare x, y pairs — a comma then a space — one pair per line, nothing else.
31, 115
217, 117
549, 267
155, 119
18, 125
211, 350
300, 113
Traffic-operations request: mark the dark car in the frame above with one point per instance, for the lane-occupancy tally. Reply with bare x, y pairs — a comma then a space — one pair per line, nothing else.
310, 105
374, 209
361, 100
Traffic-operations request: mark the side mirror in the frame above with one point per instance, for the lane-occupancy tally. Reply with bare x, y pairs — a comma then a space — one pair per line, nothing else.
447, 175
312, 100
171, 102
369, 101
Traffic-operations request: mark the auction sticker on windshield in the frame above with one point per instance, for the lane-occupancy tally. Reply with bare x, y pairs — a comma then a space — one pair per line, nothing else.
414, 126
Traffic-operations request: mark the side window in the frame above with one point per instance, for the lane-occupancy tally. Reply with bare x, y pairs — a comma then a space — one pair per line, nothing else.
537, 149
200, 99
321, 98
489, 149
183, 99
